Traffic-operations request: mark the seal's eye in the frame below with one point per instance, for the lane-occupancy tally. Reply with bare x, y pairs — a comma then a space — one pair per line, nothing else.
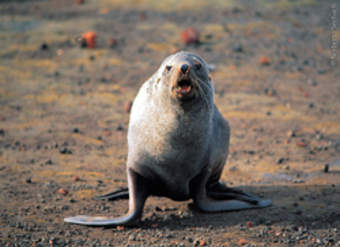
168, 68
197, 66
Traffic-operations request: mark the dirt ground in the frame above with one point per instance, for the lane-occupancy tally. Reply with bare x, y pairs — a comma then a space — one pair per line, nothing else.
64, 118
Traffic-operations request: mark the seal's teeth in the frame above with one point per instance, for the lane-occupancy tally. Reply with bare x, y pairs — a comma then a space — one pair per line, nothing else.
184, 89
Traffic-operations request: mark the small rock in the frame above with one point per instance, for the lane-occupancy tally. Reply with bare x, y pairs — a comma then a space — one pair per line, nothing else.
65, 151
75, 178
312, 82
242, 241
326, 168
202, 243
237, 47
49, 162
128, 106
28, 180
120, 228
280, 160
75, 130
112, 43
249, 224
90, 39
80, 2
270, 91
132, 237
190, 36
120, 127
43, 47
301, 144
63, 191
291, 133
265, 61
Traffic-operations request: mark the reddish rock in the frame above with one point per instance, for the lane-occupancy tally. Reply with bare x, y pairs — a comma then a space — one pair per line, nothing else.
63, 191
190, 36
264, 60
249, 224
120, 228
242, 241
202, 243
90, 39
112, 43
75, 178
128, 106
301, 144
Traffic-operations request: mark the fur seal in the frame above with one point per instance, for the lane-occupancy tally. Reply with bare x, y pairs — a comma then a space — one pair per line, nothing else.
177, 145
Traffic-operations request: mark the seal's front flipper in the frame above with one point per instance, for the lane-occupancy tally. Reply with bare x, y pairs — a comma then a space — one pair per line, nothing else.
96, 220
118, 194
139, 190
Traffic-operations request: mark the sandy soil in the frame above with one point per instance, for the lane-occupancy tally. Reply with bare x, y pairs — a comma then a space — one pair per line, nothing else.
63, 118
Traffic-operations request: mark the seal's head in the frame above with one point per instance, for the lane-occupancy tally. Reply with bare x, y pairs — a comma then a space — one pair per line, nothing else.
186, 77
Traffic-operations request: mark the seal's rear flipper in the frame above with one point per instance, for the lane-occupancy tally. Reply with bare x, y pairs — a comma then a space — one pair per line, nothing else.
209, 205
118, 194
220, 191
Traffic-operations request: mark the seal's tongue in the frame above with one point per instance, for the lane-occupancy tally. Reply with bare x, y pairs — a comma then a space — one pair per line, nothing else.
184, 89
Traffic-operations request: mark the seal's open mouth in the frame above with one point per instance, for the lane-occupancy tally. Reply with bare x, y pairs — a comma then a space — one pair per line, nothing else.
184, 86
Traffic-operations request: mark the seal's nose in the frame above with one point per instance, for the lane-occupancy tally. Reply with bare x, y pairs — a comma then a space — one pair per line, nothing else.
184, 68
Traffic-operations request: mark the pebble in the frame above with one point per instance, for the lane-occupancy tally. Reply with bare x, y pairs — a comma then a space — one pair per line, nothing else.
237, 47
65, 151
280, 160
128, 106
43, 47
112, 43
326, 168
132, 237
190, 36
301, 144
63, 191
120, 127
242, 242
270, 91
249, 224
265, 61
49, 162
291, 133
90, 39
